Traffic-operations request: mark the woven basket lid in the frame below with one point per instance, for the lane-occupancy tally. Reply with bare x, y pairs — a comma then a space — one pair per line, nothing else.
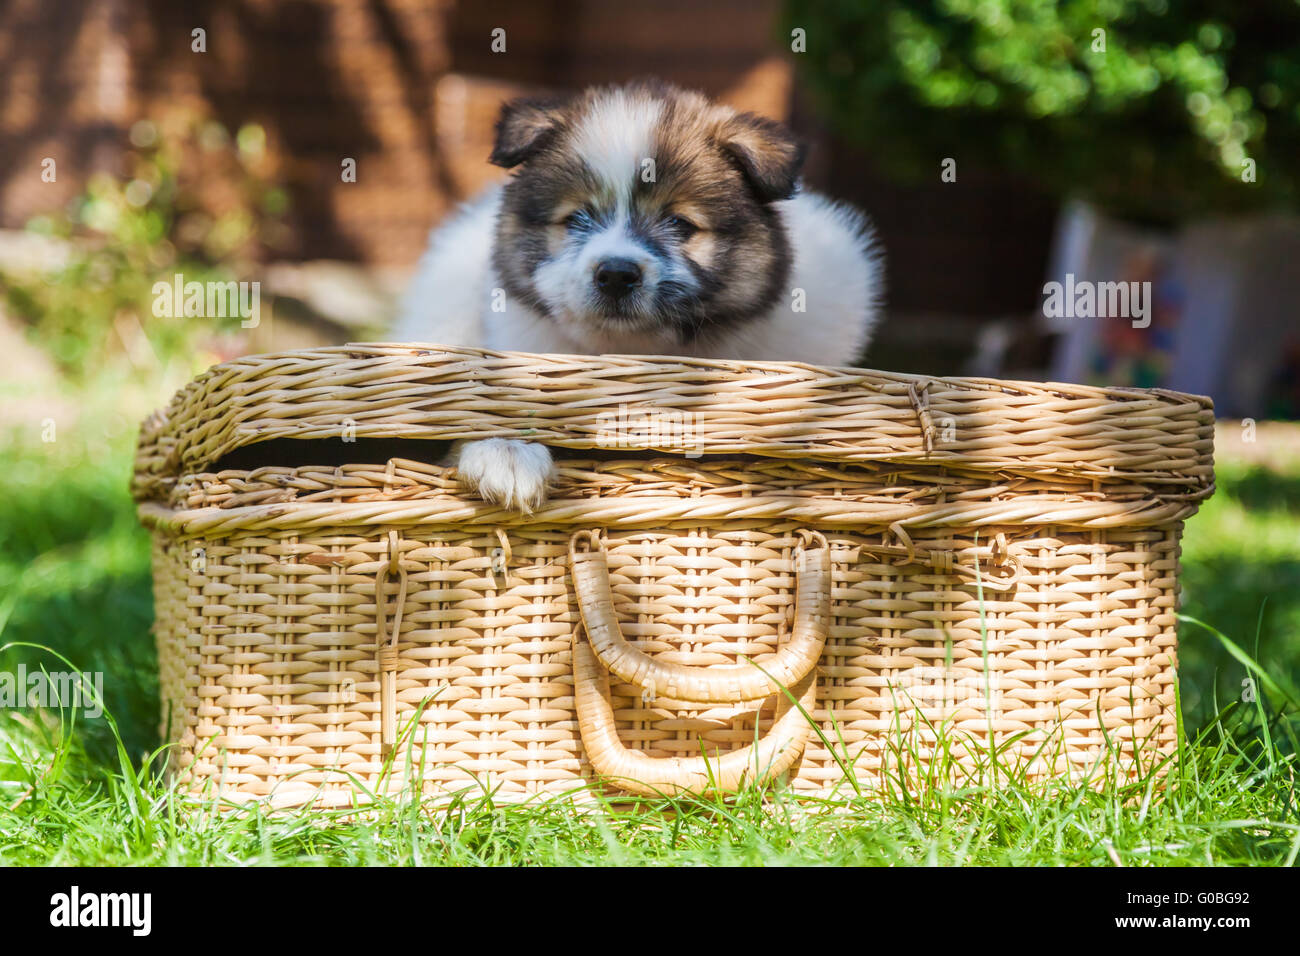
676, 405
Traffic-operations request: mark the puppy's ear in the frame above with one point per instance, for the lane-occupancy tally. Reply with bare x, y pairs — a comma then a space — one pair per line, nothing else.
524, 127
768, 155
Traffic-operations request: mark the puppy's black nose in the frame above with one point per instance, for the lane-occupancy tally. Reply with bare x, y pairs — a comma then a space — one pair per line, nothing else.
617, 277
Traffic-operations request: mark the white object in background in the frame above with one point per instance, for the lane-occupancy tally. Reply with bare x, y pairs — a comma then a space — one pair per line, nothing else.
1225, 299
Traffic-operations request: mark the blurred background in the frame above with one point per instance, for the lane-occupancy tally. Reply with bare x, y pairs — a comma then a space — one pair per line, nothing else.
310, 145
997, 146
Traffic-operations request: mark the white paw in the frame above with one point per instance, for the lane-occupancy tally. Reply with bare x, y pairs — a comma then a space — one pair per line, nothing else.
505, 471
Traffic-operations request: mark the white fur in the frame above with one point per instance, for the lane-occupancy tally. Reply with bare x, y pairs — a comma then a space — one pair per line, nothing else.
505, 471
451, 290
451, 300
615, 137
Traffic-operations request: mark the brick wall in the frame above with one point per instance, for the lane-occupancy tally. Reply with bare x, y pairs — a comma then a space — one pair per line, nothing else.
408, 89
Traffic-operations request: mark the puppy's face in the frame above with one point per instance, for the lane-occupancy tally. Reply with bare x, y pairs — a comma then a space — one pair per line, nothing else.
643, 210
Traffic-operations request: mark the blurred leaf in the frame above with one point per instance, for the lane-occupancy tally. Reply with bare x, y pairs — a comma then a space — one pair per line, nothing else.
194, 202
1148, 111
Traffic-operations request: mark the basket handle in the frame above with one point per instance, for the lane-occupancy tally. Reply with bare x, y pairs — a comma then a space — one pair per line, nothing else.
732, 684
653, 776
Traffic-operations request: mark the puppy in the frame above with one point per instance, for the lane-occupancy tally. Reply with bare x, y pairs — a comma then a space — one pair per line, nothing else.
641, 219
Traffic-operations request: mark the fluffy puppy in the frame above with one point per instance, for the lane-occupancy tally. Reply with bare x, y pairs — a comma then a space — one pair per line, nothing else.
641, 219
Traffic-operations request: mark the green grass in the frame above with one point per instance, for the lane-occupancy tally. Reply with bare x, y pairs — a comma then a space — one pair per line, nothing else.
74, 577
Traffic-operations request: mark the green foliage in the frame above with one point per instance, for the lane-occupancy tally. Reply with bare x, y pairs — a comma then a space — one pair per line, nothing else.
1149, 107
193, 202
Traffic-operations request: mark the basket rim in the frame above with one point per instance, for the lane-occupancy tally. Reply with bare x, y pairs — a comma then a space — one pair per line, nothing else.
768, 409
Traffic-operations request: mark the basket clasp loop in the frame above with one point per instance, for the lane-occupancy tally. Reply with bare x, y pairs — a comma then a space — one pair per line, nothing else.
386, 653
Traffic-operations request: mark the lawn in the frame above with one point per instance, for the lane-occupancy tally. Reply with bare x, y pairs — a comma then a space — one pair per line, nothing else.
74, 577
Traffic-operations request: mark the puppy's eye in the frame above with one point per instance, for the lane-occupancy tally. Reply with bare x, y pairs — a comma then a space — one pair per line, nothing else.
682, 225
577, 219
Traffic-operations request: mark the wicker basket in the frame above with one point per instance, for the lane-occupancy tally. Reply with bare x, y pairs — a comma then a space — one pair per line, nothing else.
929, 568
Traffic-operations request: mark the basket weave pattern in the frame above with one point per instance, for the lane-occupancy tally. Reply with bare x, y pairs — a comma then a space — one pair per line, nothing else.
276, 652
